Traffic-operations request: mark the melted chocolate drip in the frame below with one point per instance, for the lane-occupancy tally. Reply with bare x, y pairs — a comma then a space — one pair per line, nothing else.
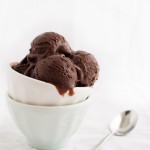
62, 91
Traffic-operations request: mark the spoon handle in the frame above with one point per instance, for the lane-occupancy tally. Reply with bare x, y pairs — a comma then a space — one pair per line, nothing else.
102, 142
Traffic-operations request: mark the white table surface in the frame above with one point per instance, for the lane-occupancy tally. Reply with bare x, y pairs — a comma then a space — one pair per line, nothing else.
116, 32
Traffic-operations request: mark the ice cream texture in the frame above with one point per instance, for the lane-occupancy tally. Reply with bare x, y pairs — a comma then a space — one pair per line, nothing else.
88, 68
57, 70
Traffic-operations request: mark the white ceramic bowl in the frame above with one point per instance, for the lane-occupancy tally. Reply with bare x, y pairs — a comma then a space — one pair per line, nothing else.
47, 127
31, 91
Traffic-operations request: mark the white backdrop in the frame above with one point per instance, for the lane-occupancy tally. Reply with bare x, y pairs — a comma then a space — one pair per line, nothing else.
117, 32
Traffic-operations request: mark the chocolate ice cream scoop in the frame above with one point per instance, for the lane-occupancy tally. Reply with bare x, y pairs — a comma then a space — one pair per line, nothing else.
21, 68
25, 66
44, 45
49, 43
57, 70
87, 68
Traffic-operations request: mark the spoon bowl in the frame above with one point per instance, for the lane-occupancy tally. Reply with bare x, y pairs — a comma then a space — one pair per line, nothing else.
124, 122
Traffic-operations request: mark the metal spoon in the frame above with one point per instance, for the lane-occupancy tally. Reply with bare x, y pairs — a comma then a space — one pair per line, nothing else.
121, 125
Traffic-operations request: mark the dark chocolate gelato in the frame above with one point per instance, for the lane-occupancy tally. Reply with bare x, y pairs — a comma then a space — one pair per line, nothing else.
50, 43
57, 70
44, 45
52, 60
88, 68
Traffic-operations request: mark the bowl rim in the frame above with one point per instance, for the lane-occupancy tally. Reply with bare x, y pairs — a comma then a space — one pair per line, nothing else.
30, 106
38, 81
